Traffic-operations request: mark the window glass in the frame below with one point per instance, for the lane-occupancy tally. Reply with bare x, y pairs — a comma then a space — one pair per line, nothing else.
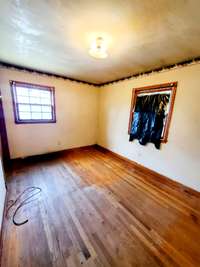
33, 103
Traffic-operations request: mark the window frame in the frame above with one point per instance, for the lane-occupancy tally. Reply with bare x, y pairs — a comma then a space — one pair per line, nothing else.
153, 89
14, 84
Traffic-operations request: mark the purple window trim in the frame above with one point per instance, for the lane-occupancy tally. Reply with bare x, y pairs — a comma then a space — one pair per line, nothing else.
36, 86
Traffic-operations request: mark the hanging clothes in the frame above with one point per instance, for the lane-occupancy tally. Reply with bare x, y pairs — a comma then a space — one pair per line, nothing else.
148, 119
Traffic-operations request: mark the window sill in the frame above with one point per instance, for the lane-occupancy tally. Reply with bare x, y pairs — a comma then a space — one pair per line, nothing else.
35, 122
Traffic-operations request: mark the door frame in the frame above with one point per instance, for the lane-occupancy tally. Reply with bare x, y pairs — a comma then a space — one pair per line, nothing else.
4, 146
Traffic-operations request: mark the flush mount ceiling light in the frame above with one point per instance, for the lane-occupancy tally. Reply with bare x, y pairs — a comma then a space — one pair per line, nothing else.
98, 48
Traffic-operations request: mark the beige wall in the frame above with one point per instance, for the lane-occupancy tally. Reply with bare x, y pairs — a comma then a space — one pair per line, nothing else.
76, 111
179, 159
2, 193
79, 108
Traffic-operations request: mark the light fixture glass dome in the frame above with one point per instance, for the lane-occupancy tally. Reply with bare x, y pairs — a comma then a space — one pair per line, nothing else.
98, 48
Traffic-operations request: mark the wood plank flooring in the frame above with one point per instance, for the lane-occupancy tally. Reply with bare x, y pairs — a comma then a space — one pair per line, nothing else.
99, 210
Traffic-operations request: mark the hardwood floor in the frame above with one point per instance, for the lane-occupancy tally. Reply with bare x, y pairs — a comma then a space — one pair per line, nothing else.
99, 210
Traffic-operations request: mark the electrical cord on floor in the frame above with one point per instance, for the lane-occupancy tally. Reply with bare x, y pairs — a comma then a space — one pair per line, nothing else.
26, 197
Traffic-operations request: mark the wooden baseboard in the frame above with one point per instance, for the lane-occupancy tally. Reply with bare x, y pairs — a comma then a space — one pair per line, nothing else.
47, 155
149, 172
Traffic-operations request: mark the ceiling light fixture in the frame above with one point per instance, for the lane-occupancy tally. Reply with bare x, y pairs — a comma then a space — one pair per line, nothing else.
98, 48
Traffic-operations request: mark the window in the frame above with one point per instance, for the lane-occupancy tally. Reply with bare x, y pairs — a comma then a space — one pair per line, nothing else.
168, 90
33, 103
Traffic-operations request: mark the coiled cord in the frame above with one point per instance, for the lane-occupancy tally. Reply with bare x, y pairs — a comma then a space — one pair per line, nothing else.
23, 199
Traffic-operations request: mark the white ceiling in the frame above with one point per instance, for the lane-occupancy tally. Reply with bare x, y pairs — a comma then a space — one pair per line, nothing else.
55, 35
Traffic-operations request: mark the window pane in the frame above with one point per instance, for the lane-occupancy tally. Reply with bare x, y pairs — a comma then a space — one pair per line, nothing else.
24, 108
35, 100
36, 116
22, 91
36, 108
34, 92
47, 116
22, 99
45, 94
46, 108
46, 101
33, 103
24, 115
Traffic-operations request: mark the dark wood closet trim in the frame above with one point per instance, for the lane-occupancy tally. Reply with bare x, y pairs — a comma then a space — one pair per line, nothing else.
155, 88
4, 146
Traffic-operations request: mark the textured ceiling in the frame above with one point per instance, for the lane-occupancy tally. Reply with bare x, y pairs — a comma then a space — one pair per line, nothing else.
55, 35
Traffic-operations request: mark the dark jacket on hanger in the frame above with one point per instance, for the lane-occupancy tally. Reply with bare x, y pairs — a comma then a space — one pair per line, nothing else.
148, 119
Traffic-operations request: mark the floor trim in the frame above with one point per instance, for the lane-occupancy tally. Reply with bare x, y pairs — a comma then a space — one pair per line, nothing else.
49, 154
167, 180
146, 170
